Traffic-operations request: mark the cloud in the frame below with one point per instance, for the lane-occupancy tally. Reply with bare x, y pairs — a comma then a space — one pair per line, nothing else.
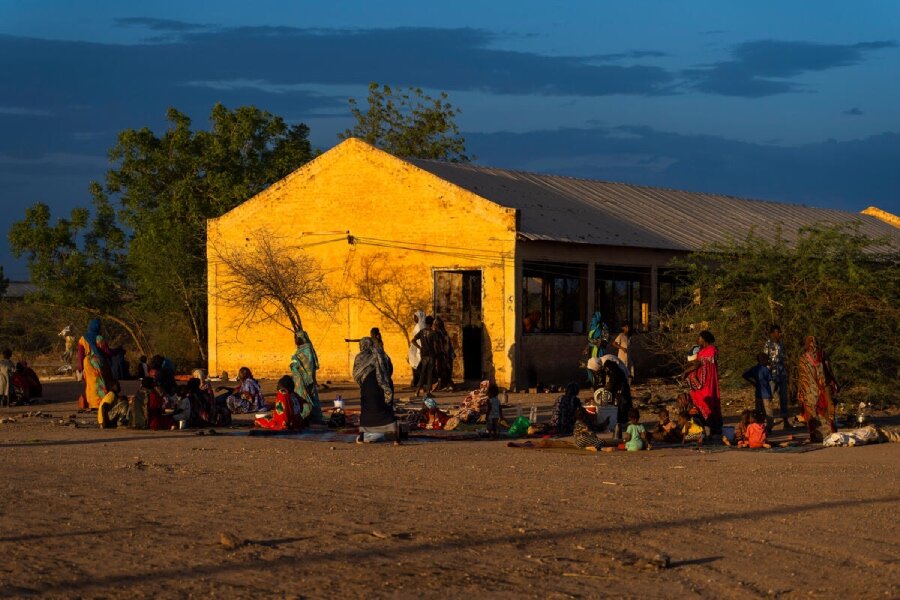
853, 112
21, 111
166, 25
766, 67
849, 175
630, 54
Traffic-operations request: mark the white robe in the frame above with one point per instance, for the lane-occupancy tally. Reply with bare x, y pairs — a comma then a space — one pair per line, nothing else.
6, 372
415, 355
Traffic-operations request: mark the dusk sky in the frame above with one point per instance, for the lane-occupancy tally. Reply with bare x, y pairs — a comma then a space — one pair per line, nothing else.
792, 101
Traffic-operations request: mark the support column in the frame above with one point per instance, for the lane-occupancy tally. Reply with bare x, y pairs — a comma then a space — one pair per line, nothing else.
591, 292
654, 297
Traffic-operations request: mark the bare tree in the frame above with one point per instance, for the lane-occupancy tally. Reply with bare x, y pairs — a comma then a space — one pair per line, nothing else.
268, 280
391, 290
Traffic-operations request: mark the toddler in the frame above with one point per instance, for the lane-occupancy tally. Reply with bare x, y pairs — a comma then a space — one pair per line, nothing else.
495, 411
691, 430
756, 433
761, 378
635, 436
740, 430
666, 429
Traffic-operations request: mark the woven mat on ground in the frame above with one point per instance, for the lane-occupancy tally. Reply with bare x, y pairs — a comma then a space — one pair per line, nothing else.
548, 446
348, 436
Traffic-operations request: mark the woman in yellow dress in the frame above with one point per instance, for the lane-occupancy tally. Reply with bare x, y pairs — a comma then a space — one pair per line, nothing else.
93, 362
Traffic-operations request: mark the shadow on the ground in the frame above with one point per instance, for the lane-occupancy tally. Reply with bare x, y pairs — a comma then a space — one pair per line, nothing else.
397, 549
64, 534
134, 438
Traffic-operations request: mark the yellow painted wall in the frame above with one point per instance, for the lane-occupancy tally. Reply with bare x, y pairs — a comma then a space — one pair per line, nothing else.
372, 195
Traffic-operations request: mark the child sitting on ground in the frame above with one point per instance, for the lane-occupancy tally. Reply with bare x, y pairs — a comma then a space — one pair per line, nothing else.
761, 378
666, 429
635, 436
740, 430
495, 411
691, 429
756, 433
432, 416
584, 438
153, 406
113, 408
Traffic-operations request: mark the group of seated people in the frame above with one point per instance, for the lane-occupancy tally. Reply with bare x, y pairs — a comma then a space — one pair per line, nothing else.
570, 417
19, 384
162, 404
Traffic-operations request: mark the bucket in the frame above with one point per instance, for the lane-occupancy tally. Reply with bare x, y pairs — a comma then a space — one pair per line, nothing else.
607, 411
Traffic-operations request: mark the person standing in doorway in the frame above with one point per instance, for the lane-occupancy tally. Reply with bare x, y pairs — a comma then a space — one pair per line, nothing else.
427, 343
774, 351
446, 356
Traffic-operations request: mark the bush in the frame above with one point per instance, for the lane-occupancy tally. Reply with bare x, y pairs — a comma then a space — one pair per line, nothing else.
834, 283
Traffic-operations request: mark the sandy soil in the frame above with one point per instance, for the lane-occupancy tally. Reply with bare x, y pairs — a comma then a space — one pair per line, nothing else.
100, 514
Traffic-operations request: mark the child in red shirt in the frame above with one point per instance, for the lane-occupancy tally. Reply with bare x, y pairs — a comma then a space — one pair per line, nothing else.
755, 435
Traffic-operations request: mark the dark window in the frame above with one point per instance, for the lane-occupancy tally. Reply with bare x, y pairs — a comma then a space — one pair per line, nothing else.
674, 293
554, 297
622, 295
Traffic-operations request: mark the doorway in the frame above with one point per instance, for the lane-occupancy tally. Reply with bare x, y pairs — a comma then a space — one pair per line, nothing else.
457, 301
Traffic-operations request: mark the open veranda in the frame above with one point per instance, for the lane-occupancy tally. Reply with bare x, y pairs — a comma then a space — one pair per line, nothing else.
106, 513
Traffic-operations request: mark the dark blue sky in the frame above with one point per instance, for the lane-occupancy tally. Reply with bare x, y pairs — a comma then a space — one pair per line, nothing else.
792, 101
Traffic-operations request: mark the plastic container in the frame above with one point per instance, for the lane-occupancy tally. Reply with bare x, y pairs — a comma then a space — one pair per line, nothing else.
610, 412
728, 433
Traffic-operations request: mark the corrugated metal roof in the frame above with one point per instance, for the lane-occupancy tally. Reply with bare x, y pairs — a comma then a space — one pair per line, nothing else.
20, 289
586, 211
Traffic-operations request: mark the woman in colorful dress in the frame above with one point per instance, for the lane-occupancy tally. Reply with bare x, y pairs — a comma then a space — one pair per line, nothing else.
291, 412
475, 404
598, 339
816, 387
247, 397
93, 363
304, 364
703, 377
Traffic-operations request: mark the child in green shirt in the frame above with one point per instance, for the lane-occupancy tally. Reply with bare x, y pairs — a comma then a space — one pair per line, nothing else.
635, 435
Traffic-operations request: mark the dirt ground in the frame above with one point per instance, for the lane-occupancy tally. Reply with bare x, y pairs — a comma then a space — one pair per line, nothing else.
101, 514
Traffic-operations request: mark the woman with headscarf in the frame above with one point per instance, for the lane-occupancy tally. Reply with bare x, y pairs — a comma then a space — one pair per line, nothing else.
291, 411
247, 397
562, 419
445, 357
371, 372
816, 387
432, 417
414, 356
93, 363
703, 377
304, 364
598, 339
615, 381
